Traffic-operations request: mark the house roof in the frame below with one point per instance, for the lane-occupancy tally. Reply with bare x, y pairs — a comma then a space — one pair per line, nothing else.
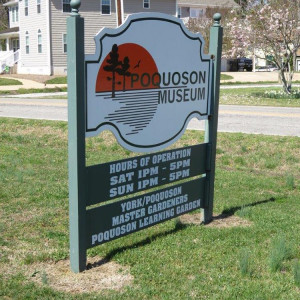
10, 32
195, 3
11, 3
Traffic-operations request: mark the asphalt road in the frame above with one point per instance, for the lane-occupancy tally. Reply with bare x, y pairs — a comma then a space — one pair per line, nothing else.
232, 118
41, 109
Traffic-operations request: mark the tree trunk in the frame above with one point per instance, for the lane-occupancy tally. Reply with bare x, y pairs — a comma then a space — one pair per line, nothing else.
113, 85
285, 84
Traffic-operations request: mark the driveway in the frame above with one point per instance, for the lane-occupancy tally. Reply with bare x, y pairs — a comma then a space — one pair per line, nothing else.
266, 120
256, 76
232, 118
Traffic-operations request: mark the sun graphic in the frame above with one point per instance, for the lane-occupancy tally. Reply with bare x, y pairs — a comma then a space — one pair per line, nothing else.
126, 67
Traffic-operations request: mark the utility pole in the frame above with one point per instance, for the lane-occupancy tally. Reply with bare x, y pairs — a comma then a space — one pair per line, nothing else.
119, 12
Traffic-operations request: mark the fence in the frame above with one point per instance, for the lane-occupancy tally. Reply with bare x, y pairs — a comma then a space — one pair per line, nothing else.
8, 59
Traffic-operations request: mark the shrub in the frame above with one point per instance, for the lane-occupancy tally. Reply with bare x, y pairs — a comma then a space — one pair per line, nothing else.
244, 261
297, 273
273, 94
279, 252
290, 181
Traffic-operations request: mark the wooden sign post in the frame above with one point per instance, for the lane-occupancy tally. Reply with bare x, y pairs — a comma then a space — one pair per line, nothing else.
211, 125
146, 81
76, 137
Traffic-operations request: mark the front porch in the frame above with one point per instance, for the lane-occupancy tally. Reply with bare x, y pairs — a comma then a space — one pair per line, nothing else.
9, 50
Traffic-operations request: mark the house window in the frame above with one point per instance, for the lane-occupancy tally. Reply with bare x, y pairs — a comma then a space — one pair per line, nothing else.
38, 6
26, 7
66, 6
15, 44
179, 12
196, 12
27, 42
40, 41
105, 7
12, 12
64, 43
146, 3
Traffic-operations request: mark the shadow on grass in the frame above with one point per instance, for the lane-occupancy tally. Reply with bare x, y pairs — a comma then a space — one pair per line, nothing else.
231, 211
179, 226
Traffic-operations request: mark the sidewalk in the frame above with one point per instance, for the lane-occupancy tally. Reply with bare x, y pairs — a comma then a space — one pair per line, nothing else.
255, 76
35, 95
27, 84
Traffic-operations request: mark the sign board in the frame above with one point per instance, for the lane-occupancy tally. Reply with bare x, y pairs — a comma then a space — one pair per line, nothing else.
124, 177
146, 81
118, 219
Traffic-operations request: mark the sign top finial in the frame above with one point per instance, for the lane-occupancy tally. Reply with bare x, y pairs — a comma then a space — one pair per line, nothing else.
75, 4
217, 18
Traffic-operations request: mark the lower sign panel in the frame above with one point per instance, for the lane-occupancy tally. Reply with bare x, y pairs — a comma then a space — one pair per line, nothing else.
114, 220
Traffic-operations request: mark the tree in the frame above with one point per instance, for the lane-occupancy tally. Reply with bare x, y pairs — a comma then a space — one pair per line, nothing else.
203, 24
113, 63
124, 70
3, 15
242, 3
272, 27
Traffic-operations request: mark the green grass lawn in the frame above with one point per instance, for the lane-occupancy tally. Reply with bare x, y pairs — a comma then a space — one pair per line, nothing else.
254, 96
8, 81
257, 180
34, 91
57, 80
226, 77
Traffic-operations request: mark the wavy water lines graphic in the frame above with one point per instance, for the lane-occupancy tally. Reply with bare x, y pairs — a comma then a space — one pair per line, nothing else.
136, 109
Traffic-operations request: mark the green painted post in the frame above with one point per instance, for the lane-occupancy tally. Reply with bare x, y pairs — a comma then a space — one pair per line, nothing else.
211, 125
76, 128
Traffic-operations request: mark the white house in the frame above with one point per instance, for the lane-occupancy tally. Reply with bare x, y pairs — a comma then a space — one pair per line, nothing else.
197, 8
36, 38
